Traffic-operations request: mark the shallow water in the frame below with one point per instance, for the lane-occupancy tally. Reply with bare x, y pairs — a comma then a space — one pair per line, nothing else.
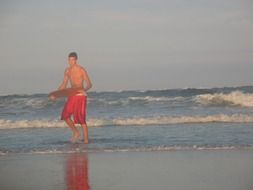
216, 118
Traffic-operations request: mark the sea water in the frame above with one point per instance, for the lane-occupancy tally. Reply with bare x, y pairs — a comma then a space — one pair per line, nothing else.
148, 120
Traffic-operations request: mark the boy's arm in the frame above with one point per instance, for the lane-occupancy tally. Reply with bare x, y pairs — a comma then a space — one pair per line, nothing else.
65, 80
87, 79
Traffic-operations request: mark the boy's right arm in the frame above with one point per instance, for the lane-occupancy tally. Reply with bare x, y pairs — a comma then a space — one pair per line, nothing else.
65, 80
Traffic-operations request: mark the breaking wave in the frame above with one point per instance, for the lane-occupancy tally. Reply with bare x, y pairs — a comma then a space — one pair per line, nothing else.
133, 121
236, 98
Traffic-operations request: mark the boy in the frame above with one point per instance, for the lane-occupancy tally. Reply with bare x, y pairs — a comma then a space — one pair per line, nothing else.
76, 104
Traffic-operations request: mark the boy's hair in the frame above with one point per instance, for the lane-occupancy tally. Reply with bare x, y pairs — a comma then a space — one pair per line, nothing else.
73, 54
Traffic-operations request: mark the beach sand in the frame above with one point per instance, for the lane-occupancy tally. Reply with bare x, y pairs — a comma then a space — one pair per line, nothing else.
173, 170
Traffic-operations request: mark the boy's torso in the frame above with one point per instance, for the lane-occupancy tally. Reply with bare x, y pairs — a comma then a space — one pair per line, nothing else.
76, 78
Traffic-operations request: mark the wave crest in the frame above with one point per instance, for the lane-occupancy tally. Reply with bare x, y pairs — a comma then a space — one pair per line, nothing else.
237, 98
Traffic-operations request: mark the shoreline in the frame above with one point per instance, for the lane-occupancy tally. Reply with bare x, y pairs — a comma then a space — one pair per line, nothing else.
131, 150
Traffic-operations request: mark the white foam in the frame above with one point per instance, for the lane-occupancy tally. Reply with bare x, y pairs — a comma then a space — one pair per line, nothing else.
39, 123
163, 120
127, 101
152, 98
134, 121
237, 97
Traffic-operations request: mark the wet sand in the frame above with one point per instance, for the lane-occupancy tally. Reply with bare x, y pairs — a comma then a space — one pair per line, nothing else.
173, 170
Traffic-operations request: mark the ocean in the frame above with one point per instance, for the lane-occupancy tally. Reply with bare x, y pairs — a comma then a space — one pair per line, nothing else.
148, 120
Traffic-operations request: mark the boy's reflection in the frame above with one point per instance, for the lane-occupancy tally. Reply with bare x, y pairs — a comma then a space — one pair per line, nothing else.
76, 174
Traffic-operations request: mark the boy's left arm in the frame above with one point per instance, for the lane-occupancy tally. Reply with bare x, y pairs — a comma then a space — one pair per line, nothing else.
87, 79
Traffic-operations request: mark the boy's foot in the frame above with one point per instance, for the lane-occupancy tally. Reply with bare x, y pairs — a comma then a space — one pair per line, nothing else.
75, 137
86, 142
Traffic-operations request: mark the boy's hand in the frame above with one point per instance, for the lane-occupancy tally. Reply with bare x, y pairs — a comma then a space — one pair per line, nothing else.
52, 97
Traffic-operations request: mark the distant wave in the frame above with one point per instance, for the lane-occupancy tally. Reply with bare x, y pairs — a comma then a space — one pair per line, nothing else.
24, 102
133, 121
152, 98
201, 96
43, 102
236, 98
140, 99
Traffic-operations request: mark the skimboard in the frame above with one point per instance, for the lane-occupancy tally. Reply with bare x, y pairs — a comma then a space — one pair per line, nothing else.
64, 92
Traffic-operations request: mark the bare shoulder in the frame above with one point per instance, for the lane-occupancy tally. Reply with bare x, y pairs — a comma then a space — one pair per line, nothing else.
83, 69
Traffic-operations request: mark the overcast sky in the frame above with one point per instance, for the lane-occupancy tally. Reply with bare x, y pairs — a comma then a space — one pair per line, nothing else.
126, 45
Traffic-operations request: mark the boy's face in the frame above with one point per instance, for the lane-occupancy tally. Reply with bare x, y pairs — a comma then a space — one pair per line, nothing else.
72, 60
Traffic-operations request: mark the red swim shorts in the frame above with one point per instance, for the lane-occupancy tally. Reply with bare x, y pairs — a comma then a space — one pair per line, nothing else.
75, 105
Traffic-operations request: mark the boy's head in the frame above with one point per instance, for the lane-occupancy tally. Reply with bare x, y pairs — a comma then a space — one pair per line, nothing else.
73, 54
72, 58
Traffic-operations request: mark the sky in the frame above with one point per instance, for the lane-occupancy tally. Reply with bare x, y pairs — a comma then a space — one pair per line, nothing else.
126, 45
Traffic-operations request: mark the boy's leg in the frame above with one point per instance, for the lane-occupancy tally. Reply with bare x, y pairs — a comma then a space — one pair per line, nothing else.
85, 133
73, 128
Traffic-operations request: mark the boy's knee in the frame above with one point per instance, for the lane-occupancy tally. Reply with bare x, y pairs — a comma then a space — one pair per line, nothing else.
84, 125
67, 119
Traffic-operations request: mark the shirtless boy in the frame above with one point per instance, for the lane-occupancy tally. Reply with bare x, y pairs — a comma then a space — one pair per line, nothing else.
76, 104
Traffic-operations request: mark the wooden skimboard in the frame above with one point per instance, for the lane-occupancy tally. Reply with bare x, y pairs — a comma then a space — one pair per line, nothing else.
65, 92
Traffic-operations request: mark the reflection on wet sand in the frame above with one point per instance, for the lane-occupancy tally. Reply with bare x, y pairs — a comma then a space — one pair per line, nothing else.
76, 171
